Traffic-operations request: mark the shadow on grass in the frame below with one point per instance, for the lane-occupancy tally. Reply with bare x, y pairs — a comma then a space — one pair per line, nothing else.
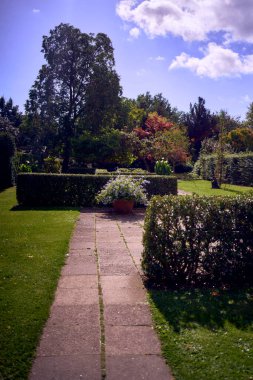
31, 208
208, 309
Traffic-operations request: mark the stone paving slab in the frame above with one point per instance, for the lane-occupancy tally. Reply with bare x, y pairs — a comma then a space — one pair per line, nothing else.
122, 296
122, 315
118, 282
81, 281
133, 340
79, 315
69, 340
71, 368
137, 367
79, 296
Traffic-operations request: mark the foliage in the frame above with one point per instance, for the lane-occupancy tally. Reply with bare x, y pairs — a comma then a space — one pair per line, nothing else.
162, 168
24, 168
109, 147
200, 124
172, 145
77, 88
241, 139
238, 168
7, 152
123, 187
205, 334
199, 241
33, 246
249, 116
52, 165
153, 124
77, 190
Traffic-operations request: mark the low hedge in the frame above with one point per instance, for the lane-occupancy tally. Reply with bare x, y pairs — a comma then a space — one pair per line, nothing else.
39, 189
238, 168
193, 241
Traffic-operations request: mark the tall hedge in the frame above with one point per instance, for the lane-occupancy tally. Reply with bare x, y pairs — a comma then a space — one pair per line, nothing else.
199, 241
35, 189
238, 168
7, 152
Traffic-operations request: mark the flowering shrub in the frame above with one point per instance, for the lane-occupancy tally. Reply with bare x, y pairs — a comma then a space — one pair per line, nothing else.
123, 187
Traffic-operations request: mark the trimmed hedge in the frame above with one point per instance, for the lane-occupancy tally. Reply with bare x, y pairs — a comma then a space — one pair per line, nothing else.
238, 168
193, 241
41, 189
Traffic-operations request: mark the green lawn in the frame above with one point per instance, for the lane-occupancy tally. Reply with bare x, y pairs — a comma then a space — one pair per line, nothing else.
205, 334
33, 244
202, 187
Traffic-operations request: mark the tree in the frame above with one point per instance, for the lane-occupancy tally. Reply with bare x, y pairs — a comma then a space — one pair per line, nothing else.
241, 139
200, 124
77, 88
7, 152
10, 112
249, 116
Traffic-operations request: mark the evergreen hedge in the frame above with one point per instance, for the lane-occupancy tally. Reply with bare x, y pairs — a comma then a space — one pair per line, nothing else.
193, 241
237, 170
39, 189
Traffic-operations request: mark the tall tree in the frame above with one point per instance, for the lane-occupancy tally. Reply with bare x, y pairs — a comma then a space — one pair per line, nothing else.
200, 124
79, 72
249, 116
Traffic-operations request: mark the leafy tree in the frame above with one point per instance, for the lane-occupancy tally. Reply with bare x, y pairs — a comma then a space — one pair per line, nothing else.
7, 152
157, 104
249, 116
10, 112
200, 124
171, 145
74, 89
241, 139
153, 124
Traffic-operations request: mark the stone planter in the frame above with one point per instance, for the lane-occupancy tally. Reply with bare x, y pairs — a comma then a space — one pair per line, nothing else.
123, 206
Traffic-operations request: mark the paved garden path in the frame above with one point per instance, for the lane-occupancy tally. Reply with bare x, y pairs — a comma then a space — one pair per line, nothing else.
100, 323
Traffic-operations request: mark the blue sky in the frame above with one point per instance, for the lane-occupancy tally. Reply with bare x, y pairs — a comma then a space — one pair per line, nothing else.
181, 48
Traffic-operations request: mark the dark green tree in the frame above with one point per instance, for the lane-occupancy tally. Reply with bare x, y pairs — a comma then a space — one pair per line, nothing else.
10, 112
200, 124
7, 152
79, 74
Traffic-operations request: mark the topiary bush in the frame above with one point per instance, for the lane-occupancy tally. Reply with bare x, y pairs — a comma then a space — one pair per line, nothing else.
39, 189
193, 241
7, 152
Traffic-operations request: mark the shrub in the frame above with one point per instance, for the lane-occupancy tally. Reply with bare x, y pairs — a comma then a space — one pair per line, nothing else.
238, 168
123, 187
7, 152
199, 241
25, 168
76, 190
52, 165
162, 167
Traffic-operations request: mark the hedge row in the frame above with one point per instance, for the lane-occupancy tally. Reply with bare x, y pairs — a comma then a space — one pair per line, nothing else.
76, 190
193, 241
237, 170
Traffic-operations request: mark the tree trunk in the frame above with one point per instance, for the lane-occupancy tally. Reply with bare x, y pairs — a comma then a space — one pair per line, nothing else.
68, 131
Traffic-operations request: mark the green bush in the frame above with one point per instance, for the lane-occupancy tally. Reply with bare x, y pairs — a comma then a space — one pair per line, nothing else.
76, 190
52, 165
7, 152
199, 241
162, 167
24, 168
237, 170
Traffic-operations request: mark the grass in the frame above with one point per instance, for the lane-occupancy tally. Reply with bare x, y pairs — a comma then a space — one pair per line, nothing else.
205, 334
202, 187
33, 244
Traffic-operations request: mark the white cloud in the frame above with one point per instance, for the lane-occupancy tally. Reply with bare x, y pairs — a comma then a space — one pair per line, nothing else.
217, 62
134, 32
158, 58
36, 10
191, 19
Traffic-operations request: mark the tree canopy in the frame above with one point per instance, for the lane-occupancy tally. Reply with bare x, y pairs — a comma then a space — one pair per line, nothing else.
77, 88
